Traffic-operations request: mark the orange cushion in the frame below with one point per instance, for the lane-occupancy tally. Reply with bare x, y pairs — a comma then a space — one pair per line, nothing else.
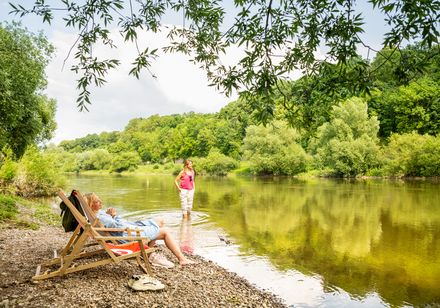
125, 249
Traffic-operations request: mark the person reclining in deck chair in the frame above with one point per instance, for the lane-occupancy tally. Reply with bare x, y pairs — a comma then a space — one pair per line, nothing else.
150, 228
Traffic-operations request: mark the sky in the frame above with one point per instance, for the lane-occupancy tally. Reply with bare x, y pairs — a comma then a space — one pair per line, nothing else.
180, 86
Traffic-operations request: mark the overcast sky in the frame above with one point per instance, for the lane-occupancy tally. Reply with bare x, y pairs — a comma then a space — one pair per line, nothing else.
179, 87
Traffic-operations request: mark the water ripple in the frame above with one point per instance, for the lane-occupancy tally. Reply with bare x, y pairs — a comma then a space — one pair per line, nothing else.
172, 218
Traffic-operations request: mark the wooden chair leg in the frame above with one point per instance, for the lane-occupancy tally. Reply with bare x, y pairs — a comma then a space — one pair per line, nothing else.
72, 241
146, 266
76, 250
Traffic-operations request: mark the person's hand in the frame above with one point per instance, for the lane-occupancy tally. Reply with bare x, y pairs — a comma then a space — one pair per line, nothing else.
111, 211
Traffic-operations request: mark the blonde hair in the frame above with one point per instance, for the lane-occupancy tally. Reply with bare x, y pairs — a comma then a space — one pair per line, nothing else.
186, 163
91, 198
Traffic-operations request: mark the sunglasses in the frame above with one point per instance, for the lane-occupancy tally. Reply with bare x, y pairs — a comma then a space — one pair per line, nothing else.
190, 178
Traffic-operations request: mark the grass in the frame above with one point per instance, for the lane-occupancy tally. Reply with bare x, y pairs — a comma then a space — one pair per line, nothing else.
243, 169
8, 208
168, 169
43, 213
27, 214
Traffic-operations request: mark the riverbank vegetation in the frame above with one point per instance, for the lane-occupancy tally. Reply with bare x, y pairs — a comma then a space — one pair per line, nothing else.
391, 131
24, 213
27, 116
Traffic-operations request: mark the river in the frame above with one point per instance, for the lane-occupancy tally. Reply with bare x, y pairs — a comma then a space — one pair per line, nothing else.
318, 242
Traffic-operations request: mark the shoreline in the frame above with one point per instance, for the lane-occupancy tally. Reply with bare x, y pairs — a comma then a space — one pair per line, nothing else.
204, 284
302, 176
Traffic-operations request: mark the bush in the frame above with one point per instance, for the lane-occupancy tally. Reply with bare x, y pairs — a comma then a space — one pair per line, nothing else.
178, 167
353, 157
69, 163
37, 175
8, 209
379, 172
100, 159
413, 155
97, 159
216, 163
243, 169
64, 161
8, 167
291, 160
125, 161
274, 150
168, 166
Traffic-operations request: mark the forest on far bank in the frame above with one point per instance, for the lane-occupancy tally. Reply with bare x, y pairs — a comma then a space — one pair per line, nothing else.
320, 126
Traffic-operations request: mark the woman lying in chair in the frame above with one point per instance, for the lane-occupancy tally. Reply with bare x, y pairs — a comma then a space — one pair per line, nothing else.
149, 228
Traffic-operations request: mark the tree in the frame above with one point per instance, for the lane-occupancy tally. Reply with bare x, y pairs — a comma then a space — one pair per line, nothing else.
273, 150
97, 159
306, 103
413, 107
36, 174
216, 163
89, 142
125, 161
277, 37
392, 69
192, 137
348, 144
412, 154
26, 115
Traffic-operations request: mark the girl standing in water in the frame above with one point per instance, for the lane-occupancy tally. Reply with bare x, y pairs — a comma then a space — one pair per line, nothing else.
186, 185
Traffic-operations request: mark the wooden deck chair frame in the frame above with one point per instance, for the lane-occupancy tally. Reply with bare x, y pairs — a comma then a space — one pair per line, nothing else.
98, 236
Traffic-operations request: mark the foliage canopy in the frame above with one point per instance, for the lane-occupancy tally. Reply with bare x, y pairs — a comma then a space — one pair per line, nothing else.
276, 37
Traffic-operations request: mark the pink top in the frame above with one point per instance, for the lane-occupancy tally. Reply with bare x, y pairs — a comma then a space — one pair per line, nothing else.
187, 181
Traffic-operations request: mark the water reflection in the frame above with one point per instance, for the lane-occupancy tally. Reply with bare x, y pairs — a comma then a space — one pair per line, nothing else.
357, 243
186, 239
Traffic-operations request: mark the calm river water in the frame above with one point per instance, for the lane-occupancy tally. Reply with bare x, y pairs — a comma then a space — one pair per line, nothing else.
327, 243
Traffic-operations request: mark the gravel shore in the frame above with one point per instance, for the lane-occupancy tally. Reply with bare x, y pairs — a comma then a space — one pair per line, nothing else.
202, 285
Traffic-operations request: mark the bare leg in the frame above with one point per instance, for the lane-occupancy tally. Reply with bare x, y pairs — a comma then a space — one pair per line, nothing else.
160, 221
165, 235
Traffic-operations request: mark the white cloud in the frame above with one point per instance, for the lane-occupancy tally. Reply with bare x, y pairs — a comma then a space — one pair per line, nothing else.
189, 84
180, 87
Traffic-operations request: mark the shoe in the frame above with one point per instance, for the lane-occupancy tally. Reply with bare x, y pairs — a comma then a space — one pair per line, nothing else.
145, 283
160, 260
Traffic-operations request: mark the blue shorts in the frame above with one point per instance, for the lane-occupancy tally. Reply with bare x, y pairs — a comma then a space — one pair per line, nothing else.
149, 228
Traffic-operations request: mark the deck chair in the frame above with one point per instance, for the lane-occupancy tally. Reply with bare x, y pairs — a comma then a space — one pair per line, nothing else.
91, 234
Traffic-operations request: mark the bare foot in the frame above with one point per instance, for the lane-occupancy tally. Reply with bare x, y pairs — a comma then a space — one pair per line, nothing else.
187, 262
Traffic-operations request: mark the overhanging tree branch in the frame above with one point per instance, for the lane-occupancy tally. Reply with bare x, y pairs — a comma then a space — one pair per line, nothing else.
297, 27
